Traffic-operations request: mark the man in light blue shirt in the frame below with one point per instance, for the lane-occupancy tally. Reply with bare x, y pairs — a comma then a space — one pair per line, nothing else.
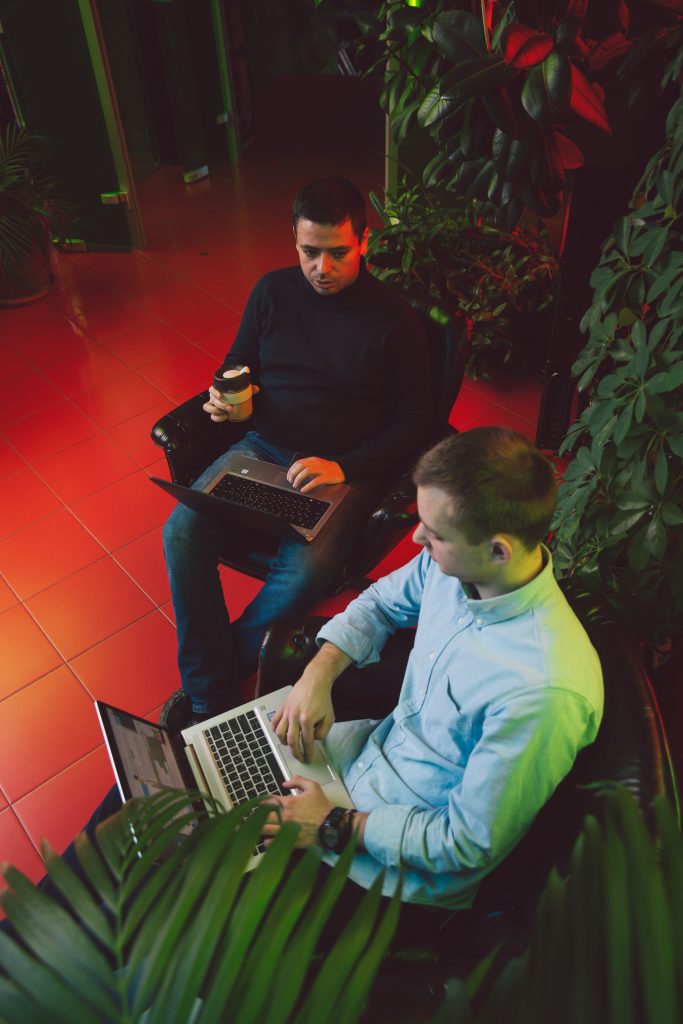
502, 689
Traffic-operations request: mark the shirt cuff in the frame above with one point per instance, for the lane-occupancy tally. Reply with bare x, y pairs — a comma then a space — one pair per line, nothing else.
352, 641
383, 836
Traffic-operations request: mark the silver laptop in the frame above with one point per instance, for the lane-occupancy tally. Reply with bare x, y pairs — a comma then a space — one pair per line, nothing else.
256, 494
234, 756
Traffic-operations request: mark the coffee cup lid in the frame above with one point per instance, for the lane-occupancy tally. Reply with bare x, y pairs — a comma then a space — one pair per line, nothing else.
232, 377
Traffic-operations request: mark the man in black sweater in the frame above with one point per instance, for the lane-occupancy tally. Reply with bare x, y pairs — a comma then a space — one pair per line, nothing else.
342, 370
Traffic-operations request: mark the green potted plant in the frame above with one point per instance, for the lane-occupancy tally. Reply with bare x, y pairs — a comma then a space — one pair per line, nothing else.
619, 522
516, 95
29, 209
450, 261
166, 932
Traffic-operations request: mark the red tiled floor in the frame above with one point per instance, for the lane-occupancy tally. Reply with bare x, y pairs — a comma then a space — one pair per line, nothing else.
85, 468
59, 809
87, 607
149, 341
124, 510
88, 369
143, 560
17, 848
181, 372
135, 669
134, 434
32, 744
46, 552
40, 435
21, 395
27, 499
27, 653
7, 596
117, 400
10, 462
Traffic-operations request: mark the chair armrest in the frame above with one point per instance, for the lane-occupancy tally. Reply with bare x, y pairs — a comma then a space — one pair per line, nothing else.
191, 440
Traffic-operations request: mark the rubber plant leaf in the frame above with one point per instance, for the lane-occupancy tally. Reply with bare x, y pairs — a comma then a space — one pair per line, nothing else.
502, 106
524, 48
473, 77
584, 101
545, 95
510, 156
459, 36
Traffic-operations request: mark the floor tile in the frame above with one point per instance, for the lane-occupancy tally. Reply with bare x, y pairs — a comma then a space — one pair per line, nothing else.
124, 510
134, 435
20, 395
13, 360
143, 560
86, 370
136, 668
148, 341
39, 436
55, 338
26, 499
238, 590
85, 468
7, 596
17, 848
60, 808
87, 607
46, 552
26, 653
32, 743
181, 371
115, 401
10, 460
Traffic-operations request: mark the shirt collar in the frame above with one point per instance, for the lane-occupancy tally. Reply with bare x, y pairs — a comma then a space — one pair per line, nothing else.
488, 610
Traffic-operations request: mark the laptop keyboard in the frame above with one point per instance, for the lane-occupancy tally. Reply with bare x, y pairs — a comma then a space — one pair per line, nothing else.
298, 509
245, 759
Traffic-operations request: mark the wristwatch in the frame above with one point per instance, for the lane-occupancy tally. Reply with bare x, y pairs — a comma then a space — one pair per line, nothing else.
335, 831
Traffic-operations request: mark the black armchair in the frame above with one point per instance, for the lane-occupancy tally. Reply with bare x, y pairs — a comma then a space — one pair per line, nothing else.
191, 442
631, 749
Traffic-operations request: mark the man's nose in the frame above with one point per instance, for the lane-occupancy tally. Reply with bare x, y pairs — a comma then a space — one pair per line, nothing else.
324, 263
418, 536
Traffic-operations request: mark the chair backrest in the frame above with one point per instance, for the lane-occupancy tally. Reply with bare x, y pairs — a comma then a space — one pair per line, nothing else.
631, 749
448, 350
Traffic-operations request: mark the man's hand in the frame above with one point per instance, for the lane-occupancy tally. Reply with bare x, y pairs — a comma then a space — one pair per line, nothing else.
217, 408
305, 474
308, 809
306, 714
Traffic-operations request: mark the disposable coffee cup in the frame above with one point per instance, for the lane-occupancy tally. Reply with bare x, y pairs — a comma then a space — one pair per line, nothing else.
234, 383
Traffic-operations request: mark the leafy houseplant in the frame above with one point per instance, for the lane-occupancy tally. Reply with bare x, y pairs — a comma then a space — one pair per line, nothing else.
182, 939
619, 521
450, 261
607, 942
29, 206
513, 93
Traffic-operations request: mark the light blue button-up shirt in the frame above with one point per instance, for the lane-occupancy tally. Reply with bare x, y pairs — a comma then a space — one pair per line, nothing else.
498, 697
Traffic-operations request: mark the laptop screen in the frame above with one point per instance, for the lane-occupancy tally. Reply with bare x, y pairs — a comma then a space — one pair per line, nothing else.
144, 760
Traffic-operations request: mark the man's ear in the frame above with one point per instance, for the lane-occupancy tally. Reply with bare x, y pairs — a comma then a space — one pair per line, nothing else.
364, 241
501, 548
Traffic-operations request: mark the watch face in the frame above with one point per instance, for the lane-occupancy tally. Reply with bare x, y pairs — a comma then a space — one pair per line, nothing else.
329, 835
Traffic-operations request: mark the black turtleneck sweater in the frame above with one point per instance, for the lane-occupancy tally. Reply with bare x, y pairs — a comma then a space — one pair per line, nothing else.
342, 377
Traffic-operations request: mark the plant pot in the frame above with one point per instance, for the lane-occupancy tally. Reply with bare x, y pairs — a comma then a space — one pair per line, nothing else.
30, 279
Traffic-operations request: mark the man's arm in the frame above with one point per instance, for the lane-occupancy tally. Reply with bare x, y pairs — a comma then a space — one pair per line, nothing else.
526, 748
307, 714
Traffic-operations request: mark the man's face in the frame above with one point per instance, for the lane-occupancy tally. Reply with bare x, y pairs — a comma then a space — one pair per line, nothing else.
448, 546
329, 254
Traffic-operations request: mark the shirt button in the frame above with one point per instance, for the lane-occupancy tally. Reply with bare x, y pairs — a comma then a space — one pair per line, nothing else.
480, 622
360, 764
432, 656
461, 620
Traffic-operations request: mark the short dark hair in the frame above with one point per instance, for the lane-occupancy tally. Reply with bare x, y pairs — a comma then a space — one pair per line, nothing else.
498, 483
331, 201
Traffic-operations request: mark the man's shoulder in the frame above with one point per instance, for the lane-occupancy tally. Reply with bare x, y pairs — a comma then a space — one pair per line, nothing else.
388, 295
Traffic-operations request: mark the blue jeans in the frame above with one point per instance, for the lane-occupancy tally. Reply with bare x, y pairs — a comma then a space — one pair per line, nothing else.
213, 654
